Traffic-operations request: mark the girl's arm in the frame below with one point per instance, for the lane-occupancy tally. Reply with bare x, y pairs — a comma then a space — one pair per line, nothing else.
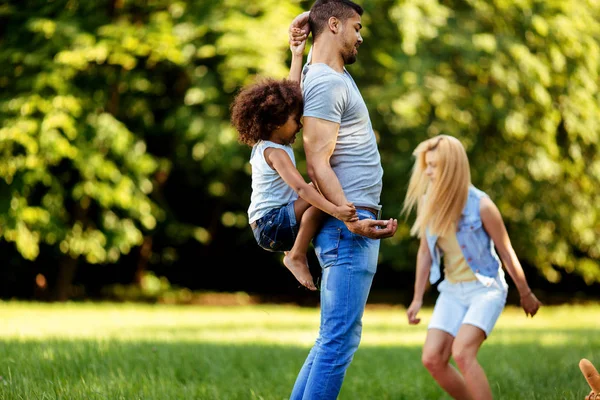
297, 43
494, 226
423, 268
279, 160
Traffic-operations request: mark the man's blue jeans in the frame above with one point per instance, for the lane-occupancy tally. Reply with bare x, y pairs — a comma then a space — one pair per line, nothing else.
349, 262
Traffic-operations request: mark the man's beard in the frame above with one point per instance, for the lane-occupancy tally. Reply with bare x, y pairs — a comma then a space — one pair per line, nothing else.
349, 58
348, 55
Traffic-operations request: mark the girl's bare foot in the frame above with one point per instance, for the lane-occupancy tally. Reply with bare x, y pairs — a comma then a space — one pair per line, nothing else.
299, 267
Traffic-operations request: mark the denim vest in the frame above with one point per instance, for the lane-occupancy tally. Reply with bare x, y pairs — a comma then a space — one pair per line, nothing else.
476, 245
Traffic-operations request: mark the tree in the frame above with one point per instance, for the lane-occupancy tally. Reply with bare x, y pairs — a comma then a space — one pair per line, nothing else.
115, 136
517, 82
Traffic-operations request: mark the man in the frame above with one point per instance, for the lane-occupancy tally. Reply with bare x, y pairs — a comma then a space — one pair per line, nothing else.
343, 162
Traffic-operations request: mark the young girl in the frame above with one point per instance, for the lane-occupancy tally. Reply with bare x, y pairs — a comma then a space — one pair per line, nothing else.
267, 116
459, 222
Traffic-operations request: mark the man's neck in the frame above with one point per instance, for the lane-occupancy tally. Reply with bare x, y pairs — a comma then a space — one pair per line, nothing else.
322, 53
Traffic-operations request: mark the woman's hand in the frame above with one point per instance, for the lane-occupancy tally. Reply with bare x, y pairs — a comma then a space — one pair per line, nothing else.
412, 312
530, 303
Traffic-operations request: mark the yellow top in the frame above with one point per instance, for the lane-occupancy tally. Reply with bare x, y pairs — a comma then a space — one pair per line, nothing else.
456, 269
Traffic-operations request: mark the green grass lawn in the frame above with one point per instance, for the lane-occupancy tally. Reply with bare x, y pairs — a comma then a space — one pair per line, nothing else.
109, 351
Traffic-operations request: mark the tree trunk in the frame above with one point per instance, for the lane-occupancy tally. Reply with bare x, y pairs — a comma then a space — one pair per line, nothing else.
64, 279
113, 6
142, 265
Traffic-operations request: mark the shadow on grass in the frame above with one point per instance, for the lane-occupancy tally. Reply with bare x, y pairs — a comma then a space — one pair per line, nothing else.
118, 369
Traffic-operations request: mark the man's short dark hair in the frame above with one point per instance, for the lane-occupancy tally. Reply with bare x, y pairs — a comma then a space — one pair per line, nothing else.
322, 10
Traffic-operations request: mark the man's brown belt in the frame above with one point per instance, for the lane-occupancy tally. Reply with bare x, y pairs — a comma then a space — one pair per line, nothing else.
373, 211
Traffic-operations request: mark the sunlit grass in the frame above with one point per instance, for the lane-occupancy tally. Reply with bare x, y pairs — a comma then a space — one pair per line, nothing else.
258, 324
88, 351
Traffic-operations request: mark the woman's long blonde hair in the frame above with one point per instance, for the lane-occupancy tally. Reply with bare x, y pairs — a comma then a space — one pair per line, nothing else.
440, 203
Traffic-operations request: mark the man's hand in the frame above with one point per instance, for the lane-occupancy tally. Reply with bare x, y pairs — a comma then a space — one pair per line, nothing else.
374, 229
301, 23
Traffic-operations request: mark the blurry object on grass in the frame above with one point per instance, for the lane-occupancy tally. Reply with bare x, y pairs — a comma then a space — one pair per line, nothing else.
154, 289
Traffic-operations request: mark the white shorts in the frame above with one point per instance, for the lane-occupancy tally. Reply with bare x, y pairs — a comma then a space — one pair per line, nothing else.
469, 303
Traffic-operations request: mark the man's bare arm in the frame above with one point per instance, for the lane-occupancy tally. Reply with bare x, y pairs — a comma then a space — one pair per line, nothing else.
319, 139
300, 22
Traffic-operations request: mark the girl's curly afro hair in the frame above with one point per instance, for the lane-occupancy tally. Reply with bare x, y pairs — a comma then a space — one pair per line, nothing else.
262, 107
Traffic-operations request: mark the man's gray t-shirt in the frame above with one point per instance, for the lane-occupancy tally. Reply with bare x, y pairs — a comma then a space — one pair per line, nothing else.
334, 97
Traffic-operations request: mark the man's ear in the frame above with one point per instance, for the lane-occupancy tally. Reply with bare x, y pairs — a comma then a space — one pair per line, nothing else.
334, 25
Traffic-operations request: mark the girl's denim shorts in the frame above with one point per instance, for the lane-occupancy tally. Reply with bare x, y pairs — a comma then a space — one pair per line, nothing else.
277, 229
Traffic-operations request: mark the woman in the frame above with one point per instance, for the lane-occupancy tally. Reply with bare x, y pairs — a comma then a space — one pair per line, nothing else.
461, 223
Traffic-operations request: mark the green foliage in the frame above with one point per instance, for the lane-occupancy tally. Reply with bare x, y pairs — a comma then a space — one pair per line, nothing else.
517, 83
114, 119
74, 176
